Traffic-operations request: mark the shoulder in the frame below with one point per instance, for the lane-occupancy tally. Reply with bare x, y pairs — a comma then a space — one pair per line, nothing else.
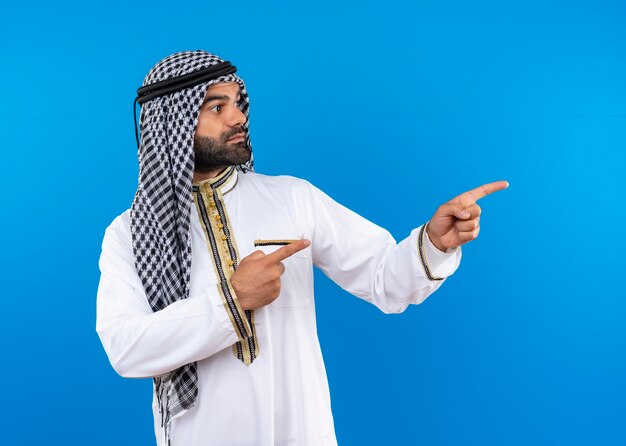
117, 236
274, 180
277, 183
120, 224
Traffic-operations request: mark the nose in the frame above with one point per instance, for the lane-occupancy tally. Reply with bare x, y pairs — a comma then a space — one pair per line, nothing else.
236, 118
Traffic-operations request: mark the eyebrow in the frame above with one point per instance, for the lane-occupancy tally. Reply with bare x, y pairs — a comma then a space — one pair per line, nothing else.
221, 97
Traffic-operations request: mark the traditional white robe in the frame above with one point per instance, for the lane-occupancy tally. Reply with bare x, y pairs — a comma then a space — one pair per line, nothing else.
282, 397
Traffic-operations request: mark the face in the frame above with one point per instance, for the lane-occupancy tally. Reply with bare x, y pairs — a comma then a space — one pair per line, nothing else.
220, 120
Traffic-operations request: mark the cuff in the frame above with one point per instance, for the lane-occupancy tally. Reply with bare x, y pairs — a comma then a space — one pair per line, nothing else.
437, 264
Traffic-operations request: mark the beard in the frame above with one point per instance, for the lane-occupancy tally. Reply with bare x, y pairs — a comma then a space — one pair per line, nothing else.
213, 153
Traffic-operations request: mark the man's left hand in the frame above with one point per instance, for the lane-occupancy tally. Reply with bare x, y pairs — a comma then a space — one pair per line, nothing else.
458, 221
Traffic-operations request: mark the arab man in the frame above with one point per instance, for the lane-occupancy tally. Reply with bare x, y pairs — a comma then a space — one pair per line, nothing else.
207, 280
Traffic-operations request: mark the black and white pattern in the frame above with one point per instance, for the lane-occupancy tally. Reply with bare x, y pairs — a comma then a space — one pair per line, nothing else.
161, 209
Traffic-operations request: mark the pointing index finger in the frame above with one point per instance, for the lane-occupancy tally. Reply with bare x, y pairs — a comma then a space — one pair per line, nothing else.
486, 189
287, 250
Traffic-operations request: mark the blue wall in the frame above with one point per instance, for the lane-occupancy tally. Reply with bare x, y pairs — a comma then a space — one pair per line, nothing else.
392, 108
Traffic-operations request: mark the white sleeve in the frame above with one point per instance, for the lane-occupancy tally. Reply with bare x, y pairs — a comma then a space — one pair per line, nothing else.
365, 260
142, 343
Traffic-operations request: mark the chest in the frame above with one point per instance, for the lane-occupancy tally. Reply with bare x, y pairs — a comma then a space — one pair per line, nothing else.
227, 228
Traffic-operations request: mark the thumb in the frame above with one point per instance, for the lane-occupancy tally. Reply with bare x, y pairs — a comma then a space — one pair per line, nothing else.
455, 209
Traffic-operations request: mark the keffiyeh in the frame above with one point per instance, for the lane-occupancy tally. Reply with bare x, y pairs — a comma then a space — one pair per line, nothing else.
160, 213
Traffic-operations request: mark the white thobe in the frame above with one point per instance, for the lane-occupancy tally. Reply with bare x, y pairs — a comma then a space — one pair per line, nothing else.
282, 397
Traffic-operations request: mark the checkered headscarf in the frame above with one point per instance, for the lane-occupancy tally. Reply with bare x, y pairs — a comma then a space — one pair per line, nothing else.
160, 213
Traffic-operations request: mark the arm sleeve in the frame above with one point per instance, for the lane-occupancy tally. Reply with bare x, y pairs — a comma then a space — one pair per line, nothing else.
365, 260
142, 343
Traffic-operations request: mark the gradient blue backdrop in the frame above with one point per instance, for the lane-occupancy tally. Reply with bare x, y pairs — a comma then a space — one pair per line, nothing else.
392, 108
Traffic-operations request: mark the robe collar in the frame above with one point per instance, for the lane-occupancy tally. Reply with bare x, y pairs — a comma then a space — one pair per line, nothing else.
225, 181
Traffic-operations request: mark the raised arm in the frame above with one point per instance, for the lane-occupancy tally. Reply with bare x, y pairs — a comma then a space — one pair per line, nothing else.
365, 260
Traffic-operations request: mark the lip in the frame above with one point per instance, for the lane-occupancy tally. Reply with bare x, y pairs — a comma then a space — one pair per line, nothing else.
236, 137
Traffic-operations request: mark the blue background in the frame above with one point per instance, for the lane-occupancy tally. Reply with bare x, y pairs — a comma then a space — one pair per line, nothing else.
392, 108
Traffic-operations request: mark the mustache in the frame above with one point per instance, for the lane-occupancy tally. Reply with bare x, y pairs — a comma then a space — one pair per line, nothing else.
234, 132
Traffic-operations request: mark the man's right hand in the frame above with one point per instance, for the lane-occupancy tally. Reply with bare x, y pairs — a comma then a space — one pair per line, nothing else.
256, 280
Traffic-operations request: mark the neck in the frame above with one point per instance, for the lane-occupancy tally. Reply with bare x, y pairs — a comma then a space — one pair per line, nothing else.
201, 176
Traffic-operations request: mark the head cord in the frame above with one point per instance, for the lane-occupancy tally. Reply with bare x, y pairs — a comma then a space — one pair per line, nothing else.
166, 86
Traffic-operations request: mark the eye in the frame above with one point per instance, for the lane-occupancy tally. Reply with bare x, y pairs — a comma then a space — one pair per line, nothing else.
216, 105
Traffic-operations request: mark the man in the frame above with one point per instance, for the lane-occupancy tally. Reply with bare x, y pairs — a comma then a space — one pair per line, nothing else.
207, 281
